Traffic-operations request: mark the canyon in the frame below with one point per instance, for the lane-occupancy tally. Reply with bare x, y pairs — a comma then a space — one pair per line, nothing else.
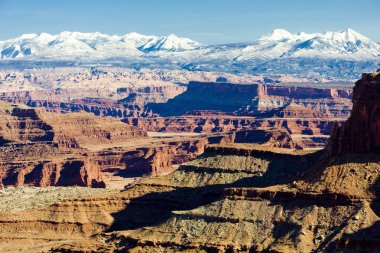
168, 101
40, 148
108, 127
234, 197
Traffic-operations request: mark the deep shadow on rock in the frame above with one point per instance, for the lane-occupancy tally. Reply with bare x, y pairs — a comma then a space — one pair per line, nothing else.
155, 208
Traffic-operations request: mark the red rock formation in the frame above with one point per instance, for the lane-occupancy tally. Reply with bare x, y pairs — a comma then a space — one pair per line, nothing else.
227, 123
242, 99
70, 131
58, 172
23, 125
294, 110
65, 173
131, 104
154, 159
361, 132
272, 138
254, 99
47, 149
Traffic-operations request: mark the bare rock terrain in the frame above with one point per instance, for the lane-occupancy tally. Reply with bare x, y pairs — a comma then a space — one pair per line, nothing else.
233, 198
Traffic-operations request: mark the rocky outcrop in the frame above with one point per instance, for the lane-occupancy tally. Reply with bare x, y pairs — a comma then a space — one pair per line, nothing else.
56, 173
155, 159
272, 138
46, 149
212, 124
22, 124
46, 165
135, 161
306, 132
128, 101
255, 99
360, 134
88, 130
293, 110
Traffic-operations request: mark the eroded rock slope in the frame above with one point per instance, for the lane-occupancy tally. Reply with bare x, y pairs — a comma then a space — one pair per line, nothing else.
233, 198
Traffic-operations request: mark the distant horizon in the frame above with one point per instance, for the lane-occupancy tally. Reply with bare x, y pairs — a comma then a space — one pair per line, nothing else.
166, 35
208, 22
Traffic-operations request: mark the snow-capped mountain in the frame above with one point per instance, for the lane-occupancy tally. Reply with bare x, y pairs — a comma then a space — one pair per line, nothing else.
346, 44
170, 43
319, 53
280, 43
137, 40
72, 45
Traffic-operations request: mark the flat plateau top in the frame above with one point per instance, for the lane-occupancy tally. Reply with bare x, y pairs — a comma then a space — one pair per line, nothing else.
258, 147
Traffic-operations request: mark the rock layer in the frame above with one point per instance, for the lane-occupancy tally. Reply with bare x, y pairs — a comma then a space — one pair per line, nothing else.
360, 134
255, 99
232, 198
40, 148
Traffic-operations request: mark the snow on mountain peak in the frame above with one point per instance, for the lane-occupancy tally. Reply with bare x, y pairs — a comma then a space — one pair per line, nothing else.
279, 43
137, 40
44, 38
170, 43
278, 35
351, 35
27, 36
347, 35
172, 36
282, 35
346, 44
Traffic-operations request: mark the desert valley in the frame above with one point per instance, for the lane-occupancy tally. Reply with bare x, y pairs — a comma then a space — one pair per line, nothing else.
146, 143
213, 179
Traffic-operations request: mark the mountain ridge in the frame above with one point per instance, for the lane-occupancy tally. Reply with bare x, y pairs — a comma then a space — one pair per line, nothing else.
328, 55
279, 43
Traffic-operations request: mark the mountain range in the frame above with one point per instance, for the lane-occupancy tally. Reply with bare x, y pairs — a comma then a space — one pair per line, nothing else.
316, 51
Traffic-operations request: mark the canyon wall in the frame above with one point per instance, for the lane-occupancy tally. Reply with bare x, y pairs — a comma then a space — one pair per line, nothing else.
126, 101
240, 99
305, 112
45, 149
361, 132
226, 124
254, 99
23, 124
41, 148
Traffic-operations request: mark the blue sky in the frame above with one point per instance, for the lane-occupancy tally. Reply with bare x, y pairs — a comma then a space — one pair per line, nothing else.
207, 21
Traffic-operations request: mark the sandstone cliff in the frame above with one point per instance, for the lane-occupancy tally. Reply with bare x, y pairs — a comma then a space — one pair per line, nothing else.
23, 124
360, 134
40, 148
45, 149
254, 99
